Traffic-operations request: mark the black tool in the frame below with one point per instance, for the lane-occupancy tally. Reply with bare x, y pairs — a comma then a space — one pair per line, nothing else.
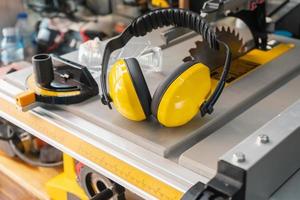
40, 154
56, 80
104, 195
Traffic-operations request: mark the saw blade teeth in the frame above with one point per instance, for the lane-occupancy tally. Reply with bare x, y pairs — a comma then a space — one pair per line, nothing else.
193, 51
219, 28
238, 35
244, 49
235, 33
228, 29
216, 29
198, 44
226, 32
224, 29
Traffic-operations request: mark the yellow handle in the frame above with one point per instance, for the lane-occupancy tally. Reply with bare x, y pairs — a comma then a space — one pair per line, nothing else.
25, 98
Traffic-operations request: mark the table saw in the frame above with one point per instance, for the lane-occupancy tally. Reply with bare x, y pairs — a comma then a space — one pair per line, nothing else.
254, 129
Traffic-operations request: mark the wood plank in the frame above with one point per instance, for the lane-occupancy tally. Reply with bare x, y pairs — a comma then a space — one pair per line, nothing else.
32, 179
9, 190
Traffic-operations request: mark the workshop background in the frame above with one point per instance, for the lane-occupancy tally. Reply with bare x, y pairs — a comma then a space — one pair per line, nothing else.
30, 168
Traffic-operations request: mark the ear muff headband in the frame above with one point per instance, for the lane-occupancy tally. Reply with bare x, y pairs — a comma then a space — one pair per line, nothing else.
157, 19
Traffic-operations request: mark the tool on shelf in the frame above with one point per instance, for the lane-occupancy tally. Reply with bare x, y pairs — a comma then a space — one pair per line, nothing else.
15, 142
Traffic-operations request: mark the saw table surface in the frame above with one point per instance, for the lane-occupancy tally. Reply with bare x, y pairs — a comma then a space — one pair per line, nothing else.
167, 141
182, 156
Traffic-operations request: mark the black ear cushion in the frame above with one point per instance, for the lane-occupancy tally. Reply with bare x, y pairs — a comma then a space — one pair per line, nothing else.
162, 88
139, 84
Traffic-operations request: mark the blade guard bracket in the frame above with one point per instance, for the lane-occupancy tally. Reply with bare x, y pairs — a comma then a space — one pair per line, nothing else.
56, 80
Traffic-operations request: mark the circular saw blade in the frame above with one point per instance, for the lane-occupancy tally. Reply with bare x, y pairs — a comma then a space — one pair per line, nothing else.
215, 58
240, 27
232, 39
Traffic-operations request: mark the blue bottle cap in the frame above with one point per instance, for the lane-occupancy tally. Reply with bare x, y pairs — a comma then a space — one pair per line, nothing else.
22, 15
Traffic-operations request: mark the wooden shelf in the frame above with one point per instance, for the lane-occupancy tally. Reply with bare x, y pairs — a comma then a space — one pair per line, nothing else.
30, 178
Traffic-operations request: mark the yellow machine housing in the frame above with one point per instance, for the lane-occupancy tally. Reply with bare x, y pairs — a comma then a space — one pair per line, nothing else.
65, 183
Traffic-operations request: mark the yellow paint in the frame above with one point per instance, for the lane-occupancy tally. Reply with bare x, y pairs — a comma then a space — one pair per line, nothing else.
25, 98
123, 93
262, 57
246, 64
132, 175
255, 56
65, 183
31, 85
160, 3
183, 98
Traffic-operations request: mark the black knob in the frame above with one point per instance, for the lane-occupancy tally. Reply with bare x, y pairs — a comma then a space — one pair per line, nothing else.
43, 70
103, 195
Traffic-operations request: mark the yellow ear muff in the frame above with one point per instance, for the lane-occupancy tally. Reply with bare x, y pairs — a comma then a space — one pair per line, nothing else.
178, 99
128, 90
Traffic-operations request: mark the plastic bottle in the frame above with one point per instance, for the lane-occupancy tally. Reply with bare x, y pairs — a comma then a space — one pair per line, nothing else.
25, 33
44, 34
11, 46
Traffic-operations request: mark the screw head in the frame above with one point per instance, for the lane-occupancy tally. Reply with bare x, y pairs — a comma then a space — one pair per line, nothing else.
239, 157
263, 139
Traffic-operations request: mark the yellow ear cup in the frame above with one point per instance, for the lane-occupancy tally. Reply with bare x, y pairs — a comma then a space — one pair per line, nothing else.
128, 90
178, 99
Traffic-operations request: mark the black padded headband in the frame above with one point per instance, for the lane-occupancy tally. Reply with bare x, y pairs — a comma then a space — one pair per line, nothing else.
157, 19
